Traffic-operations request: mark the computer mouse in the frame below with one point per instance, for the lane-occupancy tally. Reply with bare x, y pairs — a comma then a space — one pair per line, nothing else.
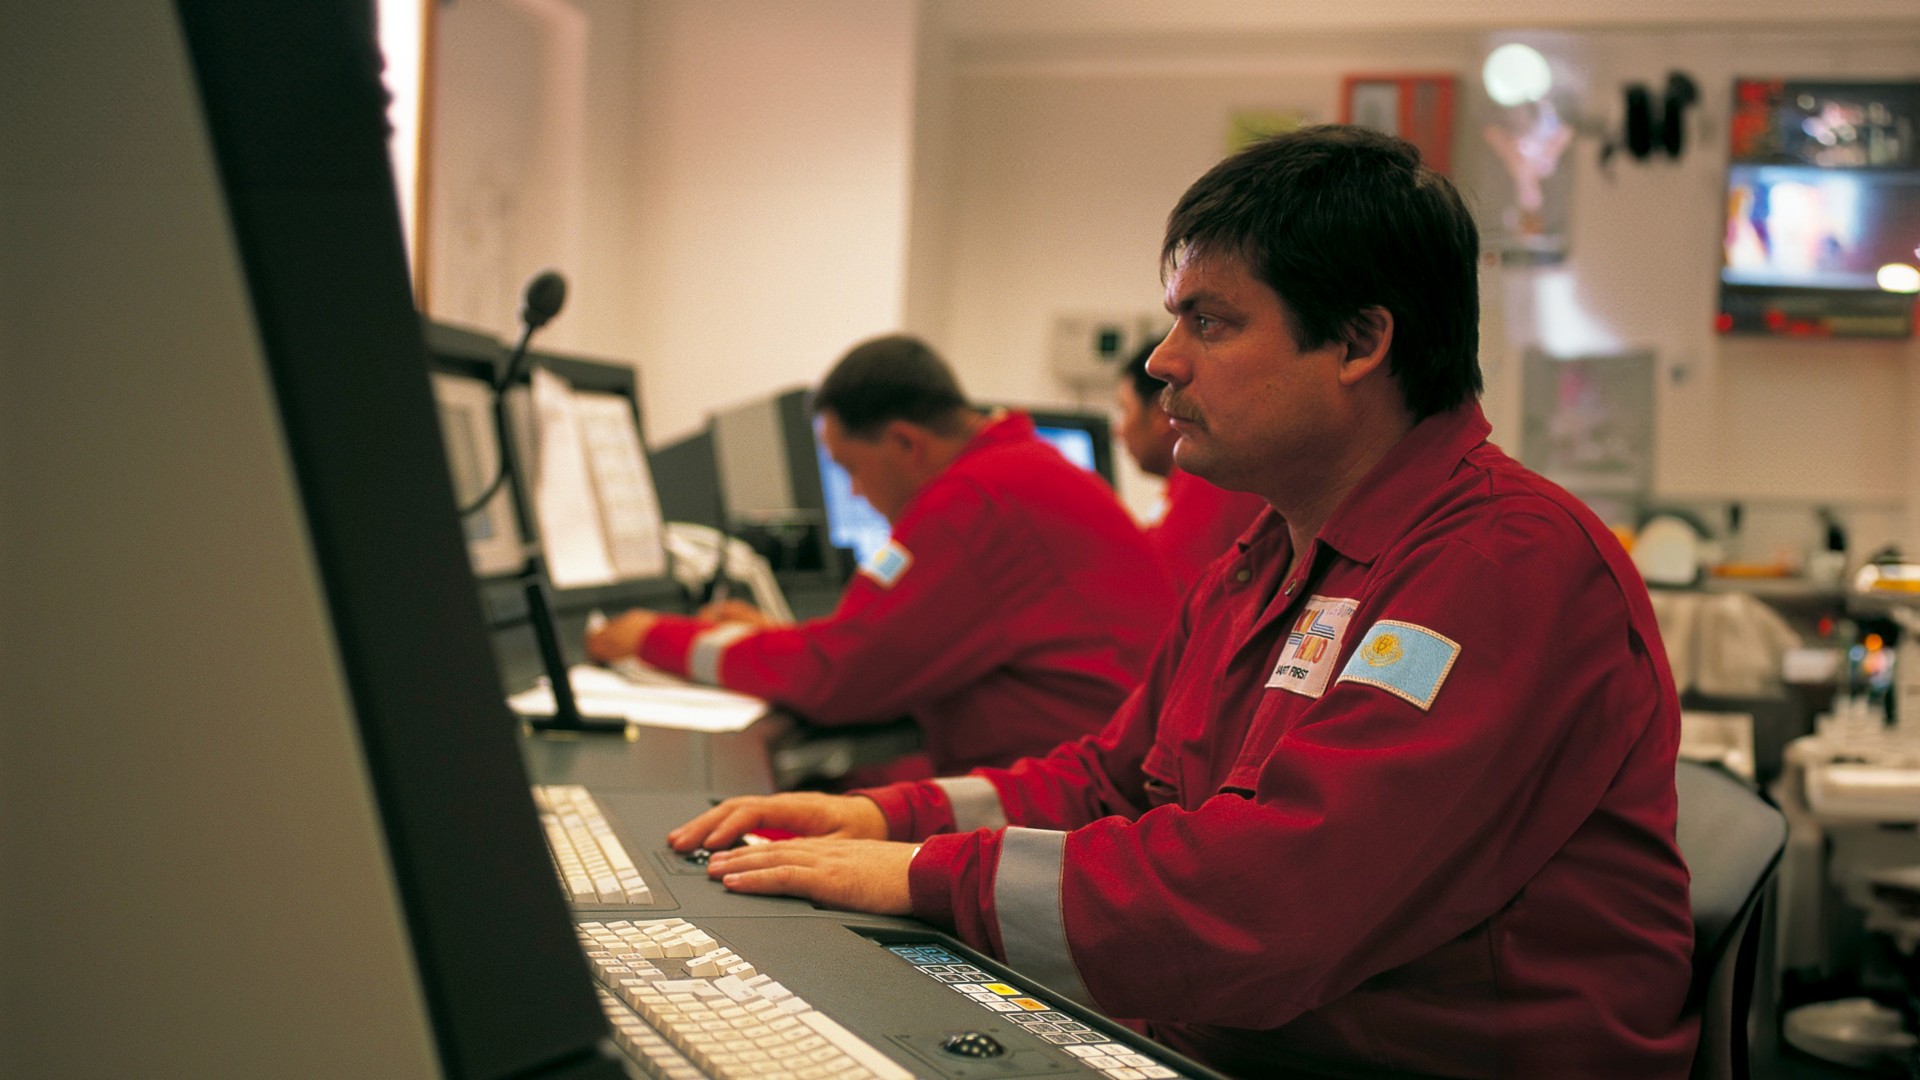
973, 1044
699, 856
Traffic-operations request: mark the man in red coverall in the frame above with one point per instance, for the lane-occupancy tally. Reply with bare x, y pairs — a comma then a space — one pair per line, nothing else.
1014, 606
1200, 521
1397, 796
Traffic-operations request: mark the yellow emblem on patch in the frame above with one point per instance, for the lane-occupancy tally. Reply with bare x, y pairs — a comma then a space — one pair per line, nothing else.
1384, 649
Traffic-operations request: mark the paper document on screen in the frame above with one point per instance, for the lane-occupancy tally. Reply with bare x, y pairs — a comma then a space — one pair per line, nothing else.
570, 535
600, 692
629, 505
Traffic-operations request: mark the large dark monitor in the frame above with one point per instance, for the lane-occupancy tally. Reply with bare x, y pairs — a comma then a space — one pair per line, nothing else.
1822, 210
689, 480
295, 835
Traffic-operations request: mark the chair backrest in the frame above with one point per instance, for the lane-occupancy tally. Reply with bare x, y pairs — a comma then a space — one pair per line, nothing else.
1732, 840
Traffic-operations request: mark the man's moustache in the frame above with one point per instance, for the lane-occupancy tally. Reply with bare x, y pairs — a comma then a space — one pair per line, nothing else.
1177, 408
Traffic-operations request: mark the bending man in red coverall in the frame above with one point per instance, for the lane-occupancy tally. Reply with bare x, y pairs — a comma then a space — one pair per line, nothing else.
1014, 606
1199, 522
1397, 797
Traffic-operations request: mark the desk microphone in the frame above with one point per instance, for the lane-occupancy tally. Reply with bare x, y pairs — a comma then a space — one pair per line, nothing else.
543, 298
545, 295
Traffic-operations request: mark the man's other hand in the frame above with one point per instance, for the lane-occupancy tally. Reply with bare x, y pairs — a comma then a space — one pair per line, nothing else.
735, 611
619, 637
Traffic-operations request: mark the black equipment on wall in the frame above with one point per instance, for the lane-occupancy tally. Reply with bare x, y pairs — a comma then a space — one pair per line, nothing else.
1658, 124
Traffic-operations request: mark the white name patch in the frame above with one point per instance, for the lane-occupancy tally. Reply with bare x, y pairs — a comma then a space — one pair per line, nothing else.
1306, 660
888, 564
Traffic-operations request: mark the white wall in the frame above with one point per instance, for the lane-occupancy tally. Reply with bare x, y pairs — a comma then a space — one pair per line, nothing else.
530, 163
724, 182
773, 163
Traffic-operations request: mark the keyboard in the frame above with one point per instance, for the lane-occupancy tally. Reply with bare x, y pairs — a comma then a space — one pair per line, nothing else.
702, 982
594, 867
685, 1006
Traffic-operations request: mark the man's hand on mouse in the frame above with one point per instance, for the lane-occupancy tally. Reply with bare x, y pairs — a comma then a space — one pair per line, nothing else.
851, 875
841, 858
797, 813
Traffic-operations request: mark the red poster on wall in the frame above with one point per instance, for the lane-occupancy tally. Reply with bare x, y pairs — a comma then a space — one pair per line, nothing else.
1418, 108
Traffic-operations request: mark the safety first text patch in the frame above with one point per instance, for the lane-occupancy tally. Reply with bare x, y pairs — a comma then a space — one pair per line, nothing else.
1306, 660
1405, 660
888, 564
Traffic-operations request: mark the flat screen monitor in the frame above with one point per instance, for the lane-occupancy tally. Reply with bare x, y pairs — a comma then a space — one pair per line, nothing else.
1821, 236
1086, 439
464, 362
595, 508
852, 522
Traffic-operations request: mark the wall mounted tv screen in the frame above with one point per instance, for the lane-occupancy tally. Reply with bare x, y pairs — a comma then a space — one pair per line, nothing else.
1822, 229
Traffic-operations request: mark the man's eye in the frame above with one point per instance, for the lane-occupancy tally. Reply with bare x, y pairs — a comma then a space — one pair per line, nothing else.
1205, 324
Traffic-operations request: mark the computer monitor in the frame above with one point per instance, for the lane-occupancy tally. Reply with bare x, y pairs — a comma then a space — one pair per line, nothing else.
1086, 439
852, 522
464, 365
604, 544
769, 484
688, 477
294, 826
592, 499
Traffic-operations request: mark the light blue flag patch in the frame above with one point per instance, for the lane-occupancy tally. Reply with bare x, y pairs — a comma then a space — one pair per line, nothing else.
888, 564
1405, 660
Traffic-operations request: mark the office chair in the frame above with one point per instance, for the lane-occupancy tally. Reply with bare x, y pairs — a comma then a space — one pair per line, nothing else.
1732, 840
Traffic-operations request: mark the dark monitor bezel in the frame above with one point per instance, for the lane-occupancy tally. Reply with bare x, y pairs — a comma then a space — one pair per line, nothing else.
295, 111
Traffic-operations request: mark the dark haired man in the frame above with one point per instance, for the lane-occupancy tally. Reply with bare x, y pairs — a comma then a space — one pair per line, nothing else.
1198, 522
1014, 605
1397, 796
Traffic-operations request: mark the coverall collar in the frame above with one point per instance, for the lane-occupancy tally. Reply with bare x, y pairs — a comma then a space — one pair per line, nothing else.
1394, 494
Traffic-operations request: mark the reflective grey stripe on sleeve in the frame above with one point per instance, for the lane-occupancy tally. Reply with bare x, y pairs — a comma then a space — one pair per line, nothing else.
1026, 896
703, 662
976, 805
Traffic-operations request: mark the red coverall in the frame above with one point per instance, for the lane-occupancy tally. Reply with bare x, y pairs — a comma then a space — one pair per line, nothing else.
1200, 525
1411, 811
1015, 607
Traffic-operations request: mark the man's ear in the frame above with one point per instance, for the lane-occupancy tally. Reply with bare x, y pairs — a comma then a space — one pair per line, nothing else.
1368, 337
905, 436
